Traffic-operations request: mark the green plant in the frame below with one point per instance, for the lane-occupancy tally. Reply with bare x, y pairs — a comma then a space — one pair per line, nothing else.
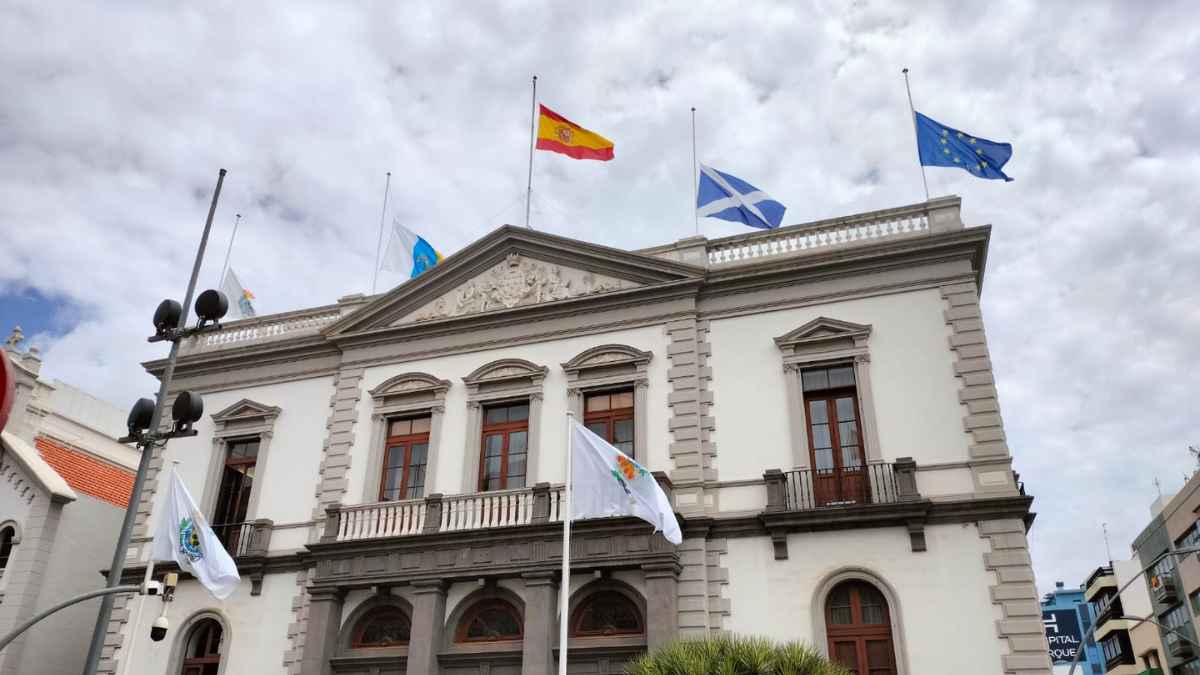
734, 655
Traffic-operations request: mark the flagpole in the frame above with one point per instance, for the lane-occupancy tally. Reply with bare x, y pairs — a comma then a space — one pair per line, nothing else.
916, 135
229, 251
564, 589
532, 134
695, 175
387, 185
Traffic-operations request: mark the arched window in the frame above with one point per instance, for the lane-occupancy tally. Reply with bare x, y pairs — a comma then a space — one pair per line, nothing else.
860, 629
6, 543
202, 652
490, 621
606, 613
386, 626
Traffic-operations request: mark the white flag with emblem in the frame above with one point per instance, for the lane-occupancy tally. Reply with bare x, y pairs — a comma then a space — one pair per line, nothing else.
183, 536
607, 482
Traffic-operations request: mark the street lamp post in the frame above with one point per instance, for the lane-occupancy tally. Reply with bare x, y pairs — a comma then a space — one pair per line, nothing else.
151, 438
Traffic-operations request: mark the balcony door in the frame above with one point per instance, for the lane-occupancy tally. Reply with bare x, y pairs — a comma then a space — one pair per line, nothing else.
233, 497
505, 448
406, 454
839, 473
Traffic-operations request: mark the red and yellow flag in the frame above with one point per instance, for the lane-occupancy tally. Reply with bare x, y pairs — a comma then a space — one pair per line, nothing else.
559, 134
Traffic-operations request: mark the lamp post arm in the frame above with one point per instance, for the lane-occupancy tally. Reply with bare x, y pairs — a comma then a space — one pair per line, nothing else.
131, 588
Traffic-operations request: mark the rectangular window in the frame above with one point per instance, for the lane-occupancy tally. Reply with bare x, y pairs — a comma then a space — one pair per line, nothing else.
1110, 646
406, 452
609, 415
1190, 538
233, 497
504, 449
834, 435
1175, 618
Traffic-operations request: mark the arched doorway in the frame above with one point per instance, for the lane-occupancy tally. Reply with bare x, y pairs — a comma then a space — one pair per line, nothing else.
202, 651
859, 626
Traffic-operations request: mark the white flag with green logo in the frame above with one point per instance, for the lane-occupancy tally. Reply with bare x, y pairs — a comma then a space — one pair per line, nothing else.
607, 482
183, 536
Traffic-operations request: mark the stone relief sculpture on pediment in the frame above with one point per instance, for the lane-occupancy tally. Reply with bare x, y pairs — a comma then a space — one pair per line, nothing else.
515, 281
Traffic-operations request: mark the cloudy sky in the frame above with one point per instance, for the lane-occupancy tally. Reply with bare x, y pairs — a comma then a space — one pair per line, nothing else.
115, 117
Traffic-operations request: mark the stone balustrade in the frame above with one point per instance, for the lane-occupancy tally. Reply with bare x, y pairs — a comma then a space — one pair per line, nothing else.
539, 504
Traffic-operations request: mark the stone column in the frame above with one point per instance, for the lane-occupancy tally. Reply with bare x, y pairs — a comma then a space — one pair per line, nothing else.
537, 657
428, 620
324, 623
662, 603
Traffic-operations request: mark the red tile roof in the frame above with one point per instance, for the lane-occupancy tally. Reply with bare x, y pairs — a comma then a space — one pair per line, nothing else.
87, 474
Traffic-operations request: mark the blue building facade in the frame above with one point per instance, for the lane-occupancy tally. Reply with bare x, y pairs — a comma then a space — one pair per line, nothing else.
1068, 618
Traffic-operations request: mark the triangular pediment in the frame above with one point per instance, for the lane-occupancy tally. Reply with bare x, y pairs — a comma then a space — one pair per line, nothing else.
246, 409
510, 269
823, 330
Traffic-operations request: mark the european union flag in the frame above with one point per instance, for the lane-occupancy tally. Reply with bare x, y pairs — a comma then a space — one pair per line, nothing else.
940, 145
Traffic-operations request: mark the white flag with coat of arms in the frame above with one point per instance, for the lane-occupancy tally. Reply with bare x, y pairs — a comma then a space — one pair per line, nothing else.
183, 536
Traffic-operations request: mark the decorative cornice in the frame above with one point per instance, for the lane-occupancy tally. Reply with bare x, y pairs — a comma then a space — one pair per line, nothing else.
247, 410
605, 356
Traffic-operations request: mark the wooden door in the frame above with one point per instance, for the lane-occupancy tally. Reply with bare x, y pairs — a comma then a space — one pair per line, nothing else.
839, 473
860, 629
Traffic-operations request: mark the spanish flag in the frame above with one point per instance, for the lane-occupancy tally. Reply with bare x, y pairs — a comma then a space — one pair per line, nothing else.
559, 134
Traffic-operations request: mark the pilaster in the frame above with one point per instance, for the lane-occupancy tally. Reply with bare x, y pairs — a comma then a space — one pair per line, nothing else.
429, 617
537, 656
324, 622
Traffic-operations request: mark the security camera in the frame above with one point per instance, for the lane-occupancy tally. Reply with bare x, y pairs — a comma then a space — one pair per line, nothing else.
158, 630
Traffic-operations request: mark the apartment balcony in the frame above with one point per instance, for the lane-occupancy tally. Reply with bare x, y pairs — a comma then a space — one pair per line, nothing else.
1178, 647
1163, 589
251, 539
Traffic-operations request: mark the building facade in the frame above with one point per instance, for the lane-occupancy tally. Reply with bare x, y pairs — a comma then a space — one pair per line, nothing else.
818, 401
1068, 617
1174, 580
64, 487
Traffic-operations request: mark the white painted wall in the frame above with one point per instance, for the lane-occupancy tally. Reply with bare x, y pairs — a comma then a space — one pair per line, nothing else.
86, 524
912, 377
288, 475
447, 476
14, 509
255, 641
944, 609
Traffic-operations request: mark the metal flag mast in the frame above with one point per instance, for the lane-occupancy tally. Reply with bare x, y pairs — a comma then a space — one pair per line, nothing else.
229, 251
532, 135
564, 589
387, 185
695, 175
916, 136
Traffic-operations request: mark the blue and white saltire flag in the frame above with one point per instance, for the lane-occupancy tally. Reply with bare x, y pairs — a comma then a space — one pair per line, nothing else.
940, 145
720, 195
183, 536
408, 252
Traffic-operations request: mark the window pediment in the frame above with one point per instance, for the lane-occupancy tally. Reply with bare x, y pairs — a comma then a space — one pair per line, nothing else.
407, 384
608, 356
246, 411
823, 334
506, 371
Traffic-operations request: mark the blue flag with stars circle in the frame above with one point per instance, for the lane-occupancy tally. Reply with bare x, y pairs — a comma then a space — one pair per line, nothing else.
940, 145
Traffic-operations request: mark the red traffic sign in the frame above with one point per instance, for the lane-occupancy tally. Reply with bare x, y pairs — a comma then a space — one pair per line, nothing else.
8, 388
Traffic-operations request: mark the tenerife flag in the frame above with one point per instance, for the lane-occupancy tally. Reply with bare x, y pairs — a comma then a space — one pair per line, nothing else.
408, 252
941, 145
720, 195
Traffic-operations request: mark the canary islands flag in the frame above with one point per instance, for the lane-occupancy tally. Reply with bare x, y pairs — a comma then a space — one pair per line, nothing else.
940, 145
409, 253
559, 134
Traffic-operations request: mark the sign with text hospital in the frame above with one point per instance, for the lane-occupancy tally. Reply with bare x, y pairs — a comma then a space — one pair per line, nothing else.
1063, 634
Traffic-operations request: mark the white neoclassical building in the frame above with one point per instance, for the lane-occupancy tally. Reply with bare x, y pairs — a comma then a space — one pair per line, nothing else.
818, 399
